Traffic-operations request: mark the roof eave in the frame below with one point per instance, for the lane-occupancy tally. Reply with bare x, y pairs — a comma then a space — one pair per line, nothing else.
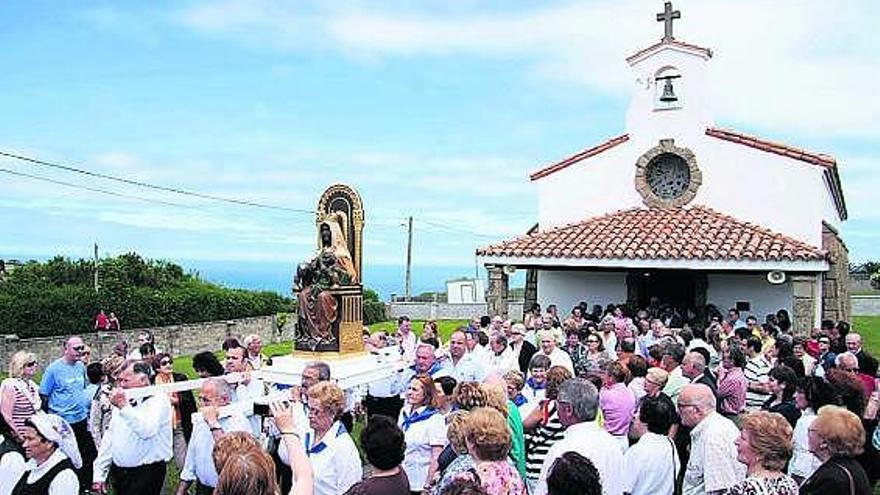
813, 265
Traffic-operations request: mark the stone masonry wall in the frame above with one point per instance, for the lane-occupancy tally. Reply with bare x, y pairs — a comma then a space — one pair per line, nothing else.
179, 340
835, 282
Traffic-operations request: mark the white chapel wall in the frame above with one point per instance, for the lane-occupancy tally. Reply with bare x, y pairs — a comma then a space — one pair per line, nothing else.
567, 288
785, 195
724, 290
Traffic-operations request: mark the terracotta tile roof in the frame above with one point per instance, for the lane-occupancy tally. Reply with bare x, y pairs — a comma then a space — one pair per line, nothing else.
595, 150
695, 233
769, 146
680, 44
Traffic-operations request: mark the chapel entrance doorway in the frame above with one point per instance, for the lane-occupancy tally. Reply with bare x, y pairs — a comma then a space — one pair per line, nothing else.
679, 288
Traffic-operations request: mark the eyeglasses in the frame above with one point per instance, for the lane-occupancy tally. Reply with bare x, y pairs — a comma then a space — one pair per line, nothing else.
590, 341
79, 348
31, 363
86, 353
164, 362
850, 370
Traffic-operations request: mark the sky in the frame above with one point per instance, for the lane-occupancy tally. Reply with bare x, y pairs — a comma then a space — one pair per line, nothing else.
432, 109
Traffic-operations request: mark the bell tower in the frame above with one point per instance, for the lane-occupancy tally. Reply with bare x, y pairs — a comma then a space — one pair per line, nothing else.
670, 86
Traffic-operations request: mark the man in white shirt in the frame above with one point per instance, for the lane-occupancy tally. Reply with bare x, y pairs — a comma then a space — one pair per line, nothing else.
501, 356
247, 389
209, 427
557, 356
578, 403
406, 339
461, 365
136, 447
713, 466
652, 465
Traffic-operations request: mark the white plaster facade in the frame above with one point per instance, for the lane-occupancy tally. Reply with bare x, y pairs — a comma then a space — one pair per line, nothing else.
734, 176
724, 290
566, 288
465, 291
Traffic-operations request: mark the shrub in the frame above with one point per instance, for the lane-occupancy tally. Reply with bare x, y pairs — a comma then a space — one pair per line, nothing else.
374, 312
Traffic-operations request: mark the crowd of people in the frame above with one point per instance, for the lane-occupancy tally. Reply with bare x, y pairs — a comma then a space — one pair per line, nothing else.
598, 401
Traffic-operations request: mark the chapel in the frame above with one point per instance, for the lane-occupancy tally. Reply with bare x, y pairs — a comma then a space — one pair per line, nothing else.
678, 226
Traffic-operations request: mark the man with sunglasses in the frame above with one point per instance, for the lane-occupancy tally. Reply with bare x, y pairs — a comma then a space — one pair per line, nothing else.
62, 388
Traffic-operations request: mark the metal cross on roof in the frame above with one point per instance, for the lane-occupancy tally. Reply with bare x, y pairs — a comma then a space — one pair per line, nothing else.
667, 16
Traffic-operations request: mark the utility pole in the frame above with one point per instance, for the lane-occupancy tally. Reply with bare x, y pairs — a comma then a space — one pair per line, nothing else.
96, 267
408, 289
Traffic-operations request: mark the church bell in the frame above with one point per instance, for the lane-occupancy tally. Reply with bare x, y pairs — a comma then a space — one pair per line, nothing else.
668, 95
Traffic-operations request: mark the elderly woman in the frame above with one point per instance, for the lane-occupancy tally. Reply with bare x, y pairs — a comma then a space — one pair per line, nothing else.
19, 394
383, 446
50, 445
468, 395
488, 442
542, 425
655, 381
101, 409
535, 387
424, 430
331, 452
576, 349
836, 438
455, 432
764, 446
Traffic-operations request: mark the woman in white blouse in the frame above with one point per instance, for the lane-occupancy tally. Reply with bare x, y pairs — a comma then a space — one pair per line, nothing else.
330, 449
424, 432
52, 454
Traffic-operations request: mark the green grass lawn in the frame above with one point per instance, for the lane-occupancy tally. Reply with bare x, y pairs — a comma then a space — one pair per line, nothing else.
869, 328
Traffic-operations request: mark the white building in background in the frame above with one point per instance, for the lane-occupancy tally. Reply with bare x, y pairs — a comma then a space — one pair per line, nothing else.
679, 209
465, 290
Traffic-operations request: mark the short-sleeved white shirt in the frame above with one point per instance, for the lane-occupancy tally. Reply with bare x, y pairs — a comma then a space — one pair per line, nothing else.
338, 465
713, 464
420, 437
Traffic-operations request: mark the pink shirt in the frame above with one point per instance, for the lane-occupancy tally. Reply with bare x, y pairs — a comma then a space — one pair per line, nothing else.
732, 386
618, 404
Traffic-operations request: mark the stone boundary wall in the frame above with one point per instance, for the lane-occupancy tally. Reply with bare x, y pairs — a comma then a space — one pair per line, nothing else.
179, 340
865, 305
446, 311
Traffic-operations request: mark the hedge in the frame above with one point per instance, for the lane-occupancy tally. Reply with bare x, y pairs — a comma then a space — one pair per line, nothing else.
57, 297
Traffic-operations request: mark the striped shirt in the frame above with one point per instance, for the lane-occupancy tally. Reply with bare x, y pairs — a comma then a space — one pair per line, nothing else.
539, 441
25, 398
757, 370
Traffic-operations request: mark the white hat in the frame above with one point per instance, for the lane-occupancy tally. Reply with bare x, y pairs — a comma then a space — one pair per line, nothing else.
59, 432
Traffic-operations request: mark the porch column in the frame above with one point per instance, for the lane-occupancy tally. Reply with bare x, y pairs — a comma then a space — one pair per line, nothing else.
835, 282
530, 297
496, 294
803, 305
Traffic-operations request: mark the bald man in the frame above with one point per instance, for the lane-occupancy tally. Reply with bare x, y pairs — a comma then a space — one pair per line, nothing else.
713, 466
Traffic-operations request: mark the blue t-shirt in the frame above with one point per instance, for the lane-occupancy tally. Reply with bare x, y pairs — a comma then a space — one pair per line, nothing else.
65, 385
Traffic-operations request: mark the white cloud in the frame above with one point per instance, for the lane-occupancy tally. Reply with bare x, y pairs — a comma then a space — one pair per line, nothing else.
792, 65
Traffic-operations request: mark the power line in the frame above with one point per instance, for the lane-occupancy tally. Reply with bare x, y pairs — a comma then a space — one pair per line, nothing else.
95, 189
174, 190
455, 229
